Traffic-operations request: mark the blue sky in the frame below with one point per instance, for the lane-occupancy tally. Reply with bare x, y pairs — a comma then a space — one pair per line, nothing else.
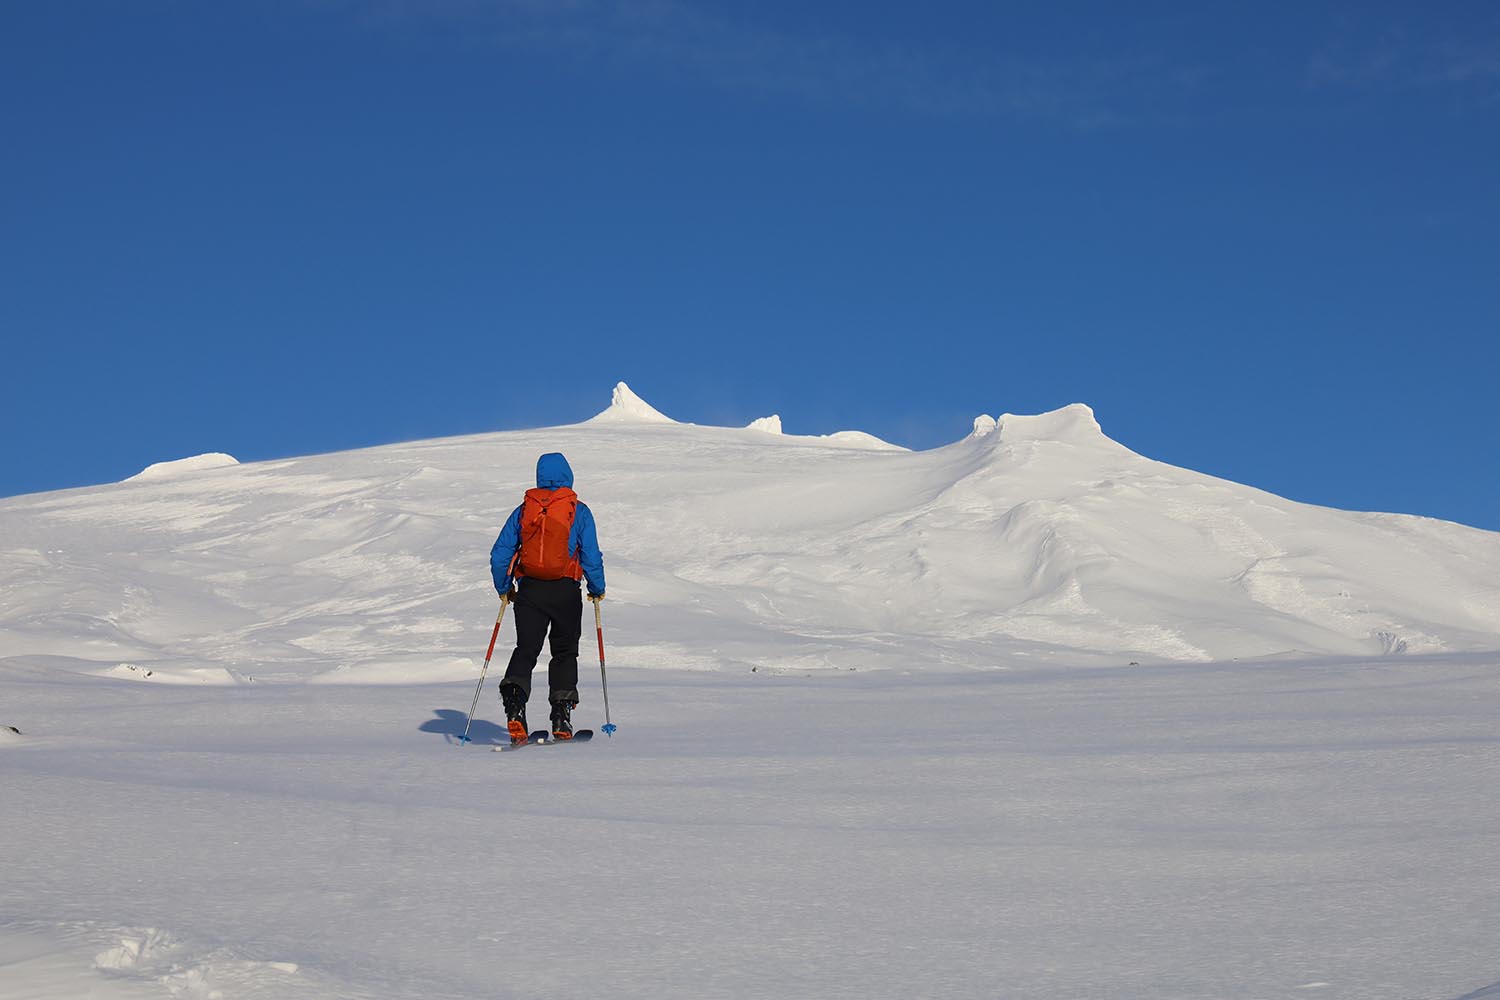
1259, 239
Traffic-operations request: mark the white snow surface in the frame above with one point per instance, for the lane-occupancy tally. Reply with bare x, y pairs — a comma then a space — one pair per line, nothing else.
1026, 716
771, 424
181, 466
625, 407
859, 439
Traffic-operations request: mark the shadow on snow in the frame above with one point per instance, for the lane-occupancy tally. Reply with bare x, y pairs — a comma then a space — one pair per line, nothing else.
450, 723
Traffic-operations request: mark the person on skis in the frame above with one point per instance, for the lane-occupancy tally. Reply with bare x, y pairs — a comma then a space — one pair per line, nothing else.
547, 546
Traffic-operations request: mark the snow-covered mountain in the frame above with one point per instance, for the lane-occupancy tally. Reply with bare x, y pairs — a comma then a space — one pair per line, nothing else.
956, 825
1035, 538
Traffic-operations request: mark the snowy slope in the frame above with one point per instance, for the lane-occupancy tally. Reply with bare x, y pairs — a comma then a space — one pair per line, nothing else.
1037, 540
1009, 810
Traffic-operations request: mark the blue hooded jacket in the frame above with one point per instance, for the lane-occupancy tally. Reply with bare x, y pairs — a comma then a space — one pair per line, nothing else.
552, 472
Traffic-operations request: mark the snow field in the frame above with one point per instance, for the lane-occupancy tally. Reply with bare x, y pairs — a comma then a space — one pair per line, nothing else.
1125, 832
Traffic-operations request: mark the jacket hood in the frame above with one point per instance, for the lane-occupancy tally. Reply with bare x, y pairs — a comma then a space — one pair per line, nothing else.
553, 472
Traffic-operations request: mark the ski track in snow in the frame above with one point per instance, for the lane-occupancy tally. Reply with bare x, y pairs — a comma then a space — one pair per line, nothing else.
954, 723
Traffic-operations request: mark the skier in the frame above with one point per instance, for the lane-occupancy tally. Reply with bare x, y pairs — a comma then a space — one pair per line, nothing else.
548, 544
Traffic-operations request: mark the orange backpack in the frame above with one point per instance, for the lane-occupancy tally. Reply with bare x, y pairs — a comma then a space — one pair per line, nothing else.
546, 524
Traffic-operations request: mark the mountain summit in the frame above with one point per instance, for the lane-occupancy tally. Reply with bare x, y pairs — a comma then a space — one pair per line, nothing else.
625, 407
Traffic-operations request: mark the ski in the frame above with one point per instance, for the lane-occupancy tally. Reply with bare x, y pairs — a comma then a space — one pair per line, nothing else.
543, 738
540, 736
582, 736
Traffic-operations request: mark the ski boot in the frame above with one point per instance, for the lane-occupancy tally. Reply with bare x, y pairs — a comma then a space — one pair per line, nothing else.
514, 700
562, 722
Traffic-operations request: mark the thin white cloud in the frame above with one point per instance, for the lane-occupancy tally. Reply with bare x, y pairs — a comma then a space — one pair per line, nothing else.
673, 36
1099, 82
1396, 57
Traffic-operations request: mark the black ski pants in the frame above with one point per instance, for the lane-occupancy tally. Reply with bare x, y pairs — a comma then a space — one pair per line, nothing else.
544, 606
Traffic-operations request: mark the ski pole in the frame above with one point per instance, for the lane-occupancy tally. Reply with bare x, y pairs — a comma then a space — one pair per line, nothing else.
609, 727
487, 654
